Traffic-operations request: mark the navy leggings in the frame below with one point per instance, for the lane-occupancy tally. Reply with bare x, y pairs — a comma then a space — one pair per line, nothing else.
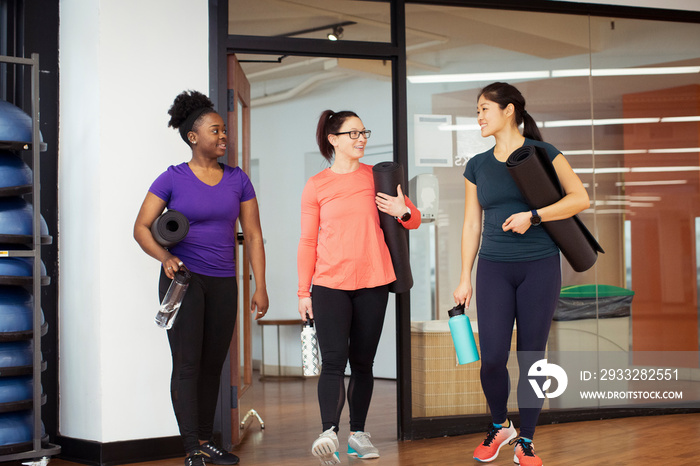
199, 343
525, 293
348, 325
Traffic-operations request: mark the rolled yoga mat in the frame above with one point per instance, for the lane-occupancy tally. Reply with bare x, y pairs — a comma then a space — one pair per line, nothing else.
537, 180
170, 228
388, 175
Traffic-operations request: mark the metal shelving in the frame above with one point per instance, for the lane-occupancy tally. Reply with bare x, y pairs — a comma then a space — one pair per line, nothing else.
38, 450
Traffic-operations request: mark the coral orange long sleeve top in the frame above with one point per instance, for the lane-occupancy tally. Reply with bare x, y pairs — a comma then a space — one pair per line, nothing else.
342, 245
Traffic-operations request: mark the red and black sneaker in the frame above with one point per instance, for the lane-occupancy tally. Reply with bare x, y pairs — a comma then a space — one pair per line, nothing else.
525, 452
497, 436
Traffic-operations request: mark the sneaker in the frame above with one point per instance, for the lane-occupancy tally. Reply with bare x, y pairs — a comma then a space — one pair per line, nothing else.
325, 447
496, 437
525, 452
360, 446
217, 456
195, 459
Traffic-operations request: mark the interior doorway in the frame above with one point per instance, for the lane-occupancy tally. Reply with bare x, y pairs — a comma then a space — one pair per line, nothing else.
274, 142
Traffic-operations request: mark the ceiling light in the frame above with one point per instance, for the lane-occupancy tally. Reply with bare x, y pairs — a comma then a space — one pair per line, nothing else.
336, 34
599, 122
544, 74
683, 119
650, 183
474, 77
648, 71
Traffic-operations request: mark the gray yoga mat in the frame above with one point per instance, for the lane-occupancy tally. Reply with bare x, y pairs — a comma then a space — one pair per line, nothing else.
388, 175
170, 228
537, 180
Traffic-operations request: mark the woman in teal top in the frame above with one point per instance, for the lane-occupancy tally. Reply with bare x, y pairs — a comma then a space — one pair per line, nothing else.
518, 275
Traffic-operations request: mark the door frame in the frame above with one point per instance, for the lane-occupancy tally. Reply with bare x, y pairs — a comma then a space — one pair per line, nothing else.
393, 52
221, 43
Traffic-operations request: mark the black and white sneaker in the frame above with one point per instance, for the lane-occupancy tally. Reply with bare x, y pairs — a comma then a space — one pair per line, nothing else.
214, 455
195, 459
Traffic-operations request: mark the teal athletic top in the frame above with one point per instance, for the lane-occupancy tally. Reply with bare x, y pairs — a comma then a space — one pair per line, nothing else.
500, 198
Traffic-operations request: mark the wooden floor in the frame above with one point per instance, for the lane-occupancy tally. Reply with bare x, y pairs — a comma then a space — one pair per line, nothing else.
290, 412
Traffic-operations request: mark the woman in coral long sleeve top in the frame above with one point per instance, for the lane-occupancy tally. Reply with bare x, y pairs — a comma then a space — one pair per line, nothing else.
342, 251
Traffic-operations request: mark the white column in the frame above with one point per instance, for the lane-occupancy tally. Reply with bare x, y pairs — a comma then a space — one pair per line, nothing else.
122, 62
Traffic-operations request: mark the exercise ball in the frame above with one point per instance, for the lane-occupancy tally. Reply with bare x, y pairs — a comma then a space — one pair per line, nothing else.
16, 309
14, 389
18, 267
17, 427
15, 127
14, 173
16, 354
16, 217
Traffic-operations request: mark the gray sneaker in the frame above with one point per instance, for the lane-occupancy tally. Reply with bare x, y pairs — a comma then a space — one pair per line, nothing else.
360, 446
325, 447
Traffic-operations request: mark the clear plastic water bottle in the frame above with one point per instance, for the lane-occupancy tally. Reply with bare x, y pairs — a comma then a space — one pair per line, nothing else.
462, 335
310, 360
173, 298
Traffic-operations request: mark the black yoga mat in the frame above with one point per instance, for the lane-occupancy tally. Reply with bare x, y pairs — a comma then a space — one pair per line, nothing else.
388, 175
537, 180
170, 228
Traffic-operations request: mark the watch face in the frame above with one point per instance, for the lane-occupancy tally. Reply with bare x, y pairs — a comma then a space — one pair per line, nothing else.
535, 220
406, 217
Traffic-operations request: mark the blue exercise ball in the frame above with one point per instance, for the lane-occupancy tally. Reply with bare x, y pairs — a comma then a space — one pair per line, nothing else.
16, 217
16, 354
18, 267
13, 389
13, 171
17, 428
15, 126
16, 309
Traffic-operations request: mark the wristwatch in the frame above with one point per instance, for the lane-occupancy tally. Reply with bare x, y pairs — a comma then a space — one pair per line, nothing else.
535, 219
407, 216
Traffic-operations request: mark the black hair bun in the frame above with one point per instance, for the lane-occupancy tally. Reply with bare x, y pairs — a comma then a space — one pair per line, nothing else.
184, 104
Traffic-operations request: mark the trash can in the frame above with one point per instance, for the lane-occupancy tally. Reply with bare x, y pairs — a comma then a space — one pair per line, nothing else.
578, 302
588, 319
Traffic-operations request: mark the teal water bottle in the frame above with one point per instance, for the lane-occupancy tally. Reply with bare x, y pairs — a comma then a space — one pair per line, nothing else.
462, 335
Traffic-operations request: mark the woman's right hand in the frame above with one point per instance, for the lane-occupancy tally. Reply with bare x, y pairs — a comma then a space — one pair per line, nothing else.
463, 293
171, 264
305, 308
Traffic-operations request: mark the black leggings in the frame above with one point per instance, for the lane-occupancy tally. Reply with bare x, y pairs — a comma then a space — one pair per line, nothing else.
199, 342
349, 325
525, 293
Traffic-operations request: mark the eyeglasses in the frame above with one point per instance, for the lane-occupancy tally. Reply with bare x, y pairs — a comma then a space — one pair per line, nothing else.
356, 134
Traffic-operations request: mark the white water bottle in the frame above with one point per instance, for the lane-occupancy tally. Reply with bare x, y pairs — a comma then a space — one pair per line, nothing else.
309, 349
173, 299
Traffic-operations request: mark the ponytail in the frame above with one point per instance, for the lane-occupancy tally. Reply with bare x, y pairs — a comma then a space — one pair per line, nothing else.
530, 129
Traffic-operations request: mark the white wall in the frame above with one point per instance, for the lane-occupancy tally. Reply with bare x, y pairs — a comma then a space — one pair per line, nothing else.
122, 62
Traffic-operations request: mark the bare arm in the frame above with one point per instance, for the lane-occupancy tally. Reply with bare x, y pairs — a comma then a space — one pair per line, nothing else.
252, 232
151, 208
575, 200
471, 236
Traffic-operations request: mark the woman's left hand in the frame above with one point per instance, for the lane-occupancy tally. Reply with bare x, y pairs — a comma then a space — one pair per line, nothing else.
518, 223
394, 206
259, 303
